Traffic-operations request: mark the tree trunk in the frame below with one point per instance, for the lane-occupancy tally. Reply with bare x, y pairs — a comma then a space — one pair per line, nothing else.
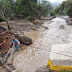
8, 25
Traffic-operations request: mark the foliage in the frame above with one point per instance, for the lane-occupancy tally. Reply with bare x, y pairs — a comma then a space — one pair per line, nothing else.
31, 8
46, 7
24, 8
65, 8
6, 10
1, 19
52, 13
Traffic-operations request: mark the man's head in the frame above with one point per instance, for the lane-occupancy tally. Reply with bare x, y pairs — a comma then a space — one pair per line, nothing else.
12, 37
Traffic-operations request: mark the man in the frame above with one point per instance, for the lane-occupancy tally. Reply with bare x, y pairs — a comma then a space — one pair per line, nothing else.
14, 47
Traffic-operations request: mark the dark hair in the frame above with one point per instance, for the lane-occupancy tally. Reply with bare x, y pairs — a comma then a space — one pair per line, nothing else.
12, 36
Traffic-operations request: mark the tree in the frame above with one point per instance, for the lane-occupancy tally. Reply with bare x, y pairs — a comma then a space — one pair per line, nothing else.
6, 10
30, 8
46, 7
65, 8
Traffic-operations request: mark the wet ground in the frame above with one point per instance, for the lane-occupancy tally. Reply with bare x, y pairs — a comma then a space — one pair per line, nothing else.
37, 55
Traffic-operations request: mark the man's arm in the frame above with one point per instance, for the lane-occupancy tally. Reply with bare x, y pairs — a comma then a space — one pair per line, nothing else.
18, 42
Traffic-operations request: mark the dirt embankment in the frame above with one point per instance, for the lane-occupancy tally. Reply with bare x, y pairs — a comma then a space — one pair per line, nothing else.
25, 25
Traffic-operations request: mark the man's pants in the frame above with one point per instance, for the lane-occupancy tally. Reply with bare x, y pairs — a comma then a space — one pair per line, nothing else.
11, 53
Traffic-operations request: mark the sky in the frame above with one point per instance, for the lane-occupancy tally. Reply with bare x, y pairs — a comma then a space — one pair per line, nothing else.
56, 1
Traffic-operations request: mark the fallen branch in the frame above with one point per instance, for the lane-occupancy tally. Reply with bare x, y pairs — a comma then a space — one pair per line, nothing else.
3, 43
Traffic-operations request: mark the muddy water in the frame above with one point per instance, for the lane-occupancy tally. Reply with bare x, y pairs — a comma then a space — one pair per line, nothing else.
37, 55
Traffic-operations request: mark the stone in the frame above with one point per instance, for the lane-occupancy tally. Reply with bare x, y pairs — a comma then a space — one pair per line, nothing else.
69, 22
2, 29
24, 39
34, 28
62, 27
38, 22
46, 28
42, 69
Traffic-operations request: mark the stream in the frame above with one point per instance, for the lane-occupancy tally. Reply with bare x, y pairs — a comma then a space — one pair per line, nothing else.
37, 54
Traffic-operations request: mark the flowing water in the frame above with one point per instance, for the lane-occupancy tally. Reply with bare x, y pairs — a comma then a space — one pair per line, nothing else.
37, 54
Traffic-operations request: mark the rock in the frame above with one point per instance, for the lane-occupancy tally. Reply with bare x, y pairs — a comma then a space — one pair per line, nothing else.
62, 27
46, 28
33, 28
2, 29
42, 69
24, 39
69, 21
24, 24
38, 22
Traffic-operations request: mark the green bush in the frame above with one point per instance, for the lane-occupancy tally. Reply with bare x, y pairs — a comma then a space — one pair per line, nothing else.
65, 8
1, 19
52, 13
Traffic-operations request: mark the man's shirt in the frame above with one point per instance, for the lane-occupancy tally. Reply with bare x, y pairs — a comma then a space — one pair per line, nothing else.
15, 43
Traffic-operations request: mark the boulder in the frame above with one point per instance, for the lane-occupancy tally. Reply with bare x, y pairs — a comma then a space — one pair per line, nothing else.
33, 28
2, 29
24, 39
38, 22
46, 28
62, 27
69, 21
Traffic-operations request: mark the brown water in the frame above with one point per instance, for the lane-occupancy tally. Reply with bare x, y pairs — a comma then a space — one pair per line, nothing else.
37, 55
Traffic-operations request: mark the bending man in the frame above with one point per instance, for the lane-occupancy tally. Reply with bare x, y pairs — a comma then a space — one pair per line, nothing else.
14, 47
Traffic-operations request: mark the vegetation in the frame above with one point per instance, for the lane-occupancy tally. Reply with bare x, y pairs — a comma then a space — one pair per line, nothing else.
65, 8
32, 9
1, 19
5, 10
29, 9
24, 8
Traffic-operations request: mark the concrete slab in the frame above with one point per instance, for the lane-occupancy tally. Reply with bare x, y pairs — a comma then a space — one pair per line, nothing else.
61, 54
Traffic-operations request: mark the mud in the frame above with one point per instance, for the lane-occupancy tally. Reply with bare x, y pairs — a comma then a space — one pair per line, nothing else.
35, 56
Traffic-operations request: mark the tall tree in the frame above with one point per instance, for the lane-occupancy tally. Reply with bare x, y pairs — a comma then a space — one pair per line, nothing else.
6, 10
66, 6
